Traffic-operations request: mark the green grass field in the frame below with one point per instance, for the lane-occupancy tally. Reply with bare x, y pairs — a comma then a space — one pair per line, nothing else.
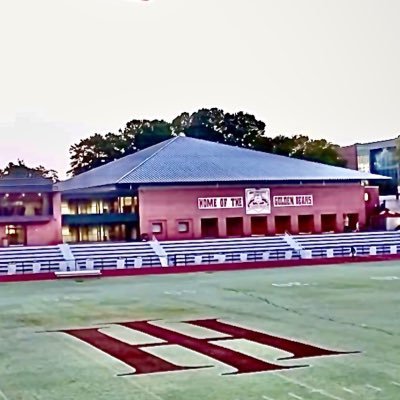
343, 308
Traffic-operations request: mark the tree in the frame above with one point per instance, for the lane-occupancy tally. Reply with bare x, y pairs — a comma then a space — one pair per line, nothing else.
242, 129
89, 153
238, 129
40, 170
139, 135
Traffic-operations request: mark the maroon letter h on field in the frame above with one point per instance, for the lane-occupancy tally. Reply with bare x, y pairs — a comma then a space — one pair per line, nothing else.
145, 363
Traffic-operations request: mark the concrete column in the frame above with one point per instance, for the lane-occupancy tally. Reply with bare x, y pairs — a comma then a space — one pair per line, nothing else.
294, 223
317, 223
271, 224
222, 226
46, 203
247, 225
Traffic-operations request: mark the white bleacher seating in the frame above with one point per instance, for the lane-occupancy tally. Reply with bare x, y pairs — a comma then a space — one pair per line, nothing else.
138, 262
97, 256
12, 269
329, 253
105, 255
288, 254
341, 243
63, 266
220, 258
198, 259
306, 254
190, 251
24, 257
36, 267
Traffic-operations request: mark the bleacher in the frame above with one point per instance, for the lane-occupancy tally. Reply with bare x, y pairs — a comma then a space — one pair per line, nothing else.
227, 250
383, 242
114, 255
98, 256
30, 259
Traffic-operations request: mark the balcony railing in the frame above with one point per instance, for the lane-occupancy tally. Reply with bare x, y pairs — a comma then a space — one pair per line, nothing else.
98, 219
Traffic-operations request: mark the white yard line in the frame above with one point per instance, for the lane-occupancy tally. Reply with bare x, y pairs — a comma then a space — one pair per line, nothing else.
310, 388
395, 383
348, 390
295, 396
267, 398
3, 396
377, 389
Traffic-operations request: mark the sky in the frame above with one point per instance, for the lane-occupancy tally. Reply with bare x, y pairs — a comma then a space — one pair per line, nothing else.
70, 68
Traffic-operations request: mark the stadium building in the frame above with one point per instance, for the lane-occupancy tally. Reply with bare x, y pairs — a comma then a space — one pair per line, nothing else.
30, 212
186, 188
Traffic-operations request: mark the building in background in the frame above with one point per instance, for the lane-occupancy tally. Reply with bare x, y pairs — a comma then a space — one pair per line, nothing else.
186, 188
30, 209
377, 158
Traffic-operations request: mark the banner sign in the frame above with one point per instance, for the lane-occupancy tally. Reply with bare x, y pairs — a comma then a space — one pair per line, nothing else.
258, 201
293, 201
207, 203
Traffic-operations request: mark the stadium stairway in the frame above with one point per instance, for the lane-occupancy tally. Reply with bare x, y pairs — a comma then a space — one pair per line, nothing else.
186, 252
365, 243
30, 259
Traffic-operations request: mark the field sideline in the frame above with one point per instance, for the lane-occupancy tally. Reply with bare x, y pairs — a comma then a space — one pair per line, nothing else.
198, 319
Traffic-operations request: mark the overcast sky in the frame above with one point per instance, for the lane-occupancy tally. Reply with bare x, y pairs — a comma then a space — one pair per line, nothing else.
69, 68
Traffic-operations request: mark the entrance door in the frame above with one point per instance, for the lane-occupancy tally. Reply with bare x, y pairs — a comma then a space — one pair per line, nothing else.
328, 223
306, 223
282, 224
209, 227
259, 226
234, 227
16, 235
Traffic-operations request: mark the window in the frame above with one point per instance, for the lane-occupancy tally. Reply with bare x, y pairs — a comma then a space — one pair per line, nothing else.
156, 227
16, 234
183, 226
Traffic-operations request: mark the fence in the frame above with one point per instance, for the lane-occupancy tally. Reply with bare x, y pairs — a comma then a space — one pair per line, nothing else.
24, 267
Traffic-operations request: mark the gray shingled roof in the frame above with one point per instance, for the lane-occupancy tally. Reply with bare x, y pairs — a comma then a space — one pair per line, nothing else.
188, 160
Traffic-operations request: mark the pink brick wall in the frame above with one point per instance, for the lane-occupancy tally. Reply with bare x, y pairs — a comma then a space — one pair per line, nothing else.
169, 205
49, 233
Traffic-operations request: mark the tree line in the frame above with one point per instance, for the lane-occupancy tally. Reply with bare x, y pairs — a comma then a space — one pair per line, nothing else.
238, 129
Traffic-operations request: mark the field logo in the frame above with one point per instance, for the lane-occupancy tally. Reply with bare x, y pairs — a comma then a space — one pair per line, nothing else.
146, 363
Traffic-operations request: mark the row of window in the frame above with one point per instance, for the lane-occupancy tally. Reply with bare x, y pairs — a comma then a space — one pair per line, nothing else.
259, 225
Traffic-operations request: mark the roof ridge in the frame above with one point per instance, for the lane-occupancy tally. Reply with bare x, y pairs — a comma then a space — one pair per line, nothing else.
148, 158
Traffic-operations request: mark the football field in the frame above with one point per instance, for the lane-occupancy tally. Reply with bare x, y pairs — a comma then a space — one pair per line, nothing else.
306, 333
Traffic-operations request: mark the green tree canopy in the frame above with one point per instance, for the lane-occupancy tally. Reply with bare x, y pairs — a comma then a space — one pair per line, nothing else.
237, 129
